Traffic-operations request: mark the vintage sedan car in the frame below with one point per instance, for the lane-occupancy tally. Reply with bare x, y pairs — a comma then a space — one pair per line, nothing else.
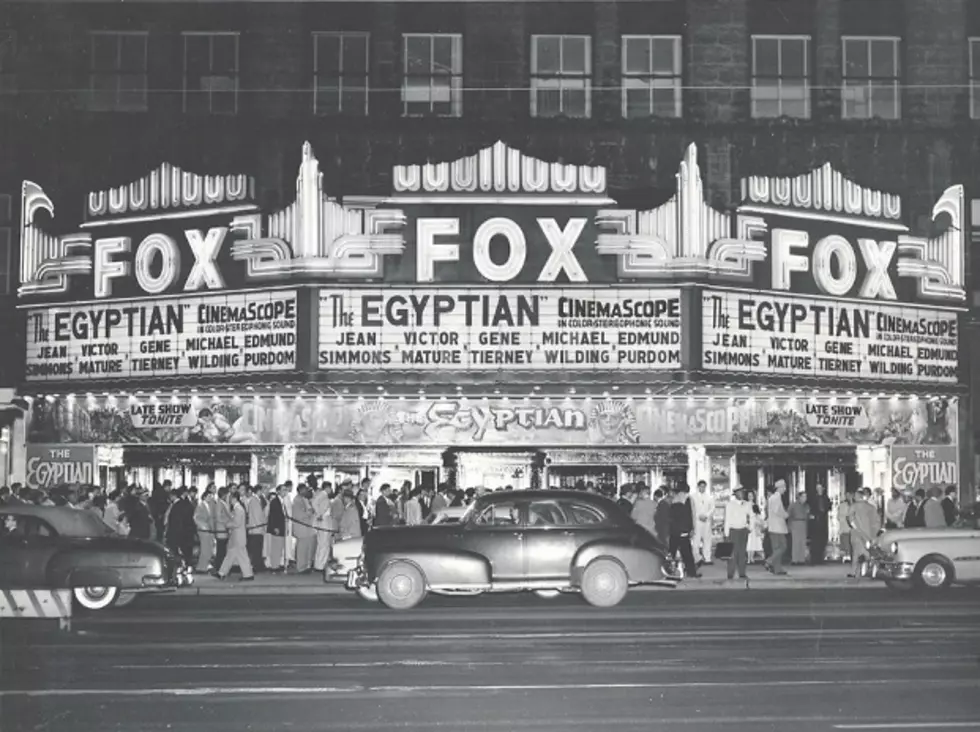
927, 559
546, 541
65, 548
347, 551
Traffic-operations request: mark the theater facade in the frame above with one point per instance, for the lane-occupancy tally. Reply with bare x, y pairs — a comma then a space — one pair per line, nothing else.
495, 321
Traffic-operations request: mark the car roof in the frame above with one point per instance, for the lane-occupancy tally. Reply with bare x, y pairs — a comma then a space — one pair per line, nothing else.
65, 520
537, 494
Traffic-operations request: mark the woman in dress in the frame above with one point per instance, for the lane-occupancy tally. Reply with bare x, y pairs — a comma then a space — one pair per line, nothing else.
754, 548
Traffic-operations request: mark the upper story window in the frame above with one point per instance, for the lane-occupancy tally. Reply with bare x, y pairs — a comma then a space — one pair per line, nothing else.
975, 78
211, 73
781, 76
651, 76
561, 76
340, 70
872, 78
433, 74
8, 50
117, 75
6, 242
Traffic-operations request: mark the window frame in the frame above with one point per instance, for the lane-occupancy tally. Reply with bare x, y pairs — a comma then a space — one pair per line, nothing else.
973, 50
211, 35
779, 78
650, 76
118, 72
342, 77
539, 81
455, 77
7, 230
868, 82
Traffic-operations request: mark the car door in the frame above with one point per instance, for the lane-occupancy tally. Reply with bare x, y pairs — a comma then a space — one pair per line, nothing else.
556, 530
26, 545
496, 532
966, 557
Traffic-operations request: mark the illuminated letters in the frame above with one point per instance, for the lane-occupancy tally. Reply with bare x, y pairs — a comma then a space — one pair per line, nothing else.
169, 263
877, 257
106, 269
824, 253
562, 242
206, 248
516, 249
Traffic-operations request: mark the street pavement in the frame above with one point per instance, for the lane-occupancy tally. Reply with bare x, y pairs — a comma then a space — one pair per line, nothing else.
719, 661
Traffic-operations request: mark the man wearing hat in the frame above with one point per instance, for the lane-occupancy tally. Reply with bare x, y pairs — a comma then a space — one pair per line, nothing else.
738, 523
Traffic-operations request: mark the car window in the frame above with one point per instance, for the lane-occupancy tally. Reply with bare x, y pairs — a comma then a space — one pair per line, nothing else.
581, 514
24, 527
502, 513
546, 513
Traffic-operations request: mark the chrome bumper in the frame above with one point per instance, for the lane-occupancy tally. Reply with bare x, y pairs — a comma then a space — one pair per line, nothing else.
356, 578
180, 576
886, 570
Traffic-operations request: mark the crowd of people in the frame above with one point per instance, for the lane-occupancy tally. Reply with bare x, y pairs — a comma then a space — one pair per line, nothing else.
261, 528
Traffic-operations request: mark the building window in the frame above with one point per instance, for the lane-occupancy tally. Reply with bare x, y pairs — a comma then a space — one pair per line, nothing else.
433, 74
211, 73
8, 49
781, 76
871, 78
561, 76
117, 78
6, 242
340, 70
651, 76
975, 78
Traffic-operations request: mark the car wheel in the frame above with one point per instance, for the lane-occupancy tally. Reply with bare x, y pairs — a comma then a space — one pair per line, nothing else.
96, 598
368, 593
933, 573
547, 594
604, 583
126, 598
401, 586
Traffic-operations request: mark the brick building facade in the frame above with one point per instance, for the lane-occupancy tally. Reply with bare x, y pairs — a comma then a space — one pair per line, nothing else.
763, 87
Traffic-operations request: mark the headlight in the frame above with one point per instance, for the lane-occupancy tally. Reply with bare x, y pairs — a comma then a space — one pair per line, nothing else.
867, 544
893, 548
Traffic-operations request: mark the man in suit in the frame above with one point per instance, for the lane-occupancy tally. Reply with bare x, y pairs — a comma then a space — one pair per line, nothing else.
661, 516
950, 512
644, 510
681, 528
778, 529
384, 513
738, 523
865, 524
704, 520
303, 529
914, 517
276, 528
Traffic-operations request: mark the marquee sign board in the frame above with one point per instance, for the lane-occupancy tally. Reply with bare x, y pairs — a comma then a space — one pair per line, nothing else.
495, 217
496, 329
770, 333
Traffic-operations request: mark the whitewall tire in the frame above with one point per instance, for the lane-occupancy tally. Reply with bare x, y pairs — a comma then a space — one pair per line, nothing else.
401, 586
604, 583
96, 598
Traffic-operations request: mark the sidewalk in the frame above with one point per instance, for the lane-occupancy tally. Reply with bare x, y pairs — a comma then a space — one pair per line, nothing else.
712, 578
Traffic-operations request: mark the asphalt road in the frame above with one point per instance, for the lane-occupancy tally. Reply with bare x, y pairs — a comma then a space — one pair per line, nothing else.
728, 661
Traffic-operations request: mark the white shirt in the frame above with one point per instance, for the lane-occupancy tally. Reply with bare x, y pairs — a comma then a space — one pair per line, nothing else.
704, 505
738, 515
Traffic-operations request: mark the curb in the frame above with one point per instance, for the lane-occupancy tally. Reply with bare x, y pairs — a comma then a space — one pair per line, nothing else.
716, 585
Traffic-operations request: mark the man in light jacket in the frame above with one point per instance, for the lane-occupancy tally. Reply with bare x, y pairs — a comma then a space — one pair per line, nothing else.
778, 530
324, 534
932, 510
413, 509
205, 534
237, 554
303, 529
865, 525
221, 516
738, 523
644, 510
704, 521
895, 510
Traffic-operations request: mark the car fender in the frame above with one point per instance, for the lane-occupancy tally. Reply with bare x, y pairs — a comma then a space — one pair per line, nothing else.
642, 565
440, 567
80, 569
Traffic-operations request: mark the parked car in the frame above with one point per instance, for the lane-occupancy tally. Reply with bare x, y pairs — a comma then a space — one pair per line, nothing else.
928, 559
66, 548
546, 541
347, 551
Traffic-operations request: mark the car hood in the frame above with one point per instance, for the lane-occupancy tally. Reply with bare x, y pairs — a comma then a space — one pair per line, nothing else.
921, 535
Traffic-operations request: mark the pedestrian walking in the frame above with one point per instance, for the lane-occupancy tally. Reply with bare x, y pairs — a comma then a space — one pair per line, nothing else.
255, 516
681, 527
799, 518
304, 529
738, 523
865, 524
222, 521
324, 533
205, 535
237, 554
757, 531
778, 530
704, 524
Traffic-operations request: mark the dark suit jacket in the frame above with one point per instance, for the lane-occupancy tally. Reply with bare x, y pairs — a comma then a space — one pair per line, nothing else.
276, 525
949, 511
661, 521
382, 513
